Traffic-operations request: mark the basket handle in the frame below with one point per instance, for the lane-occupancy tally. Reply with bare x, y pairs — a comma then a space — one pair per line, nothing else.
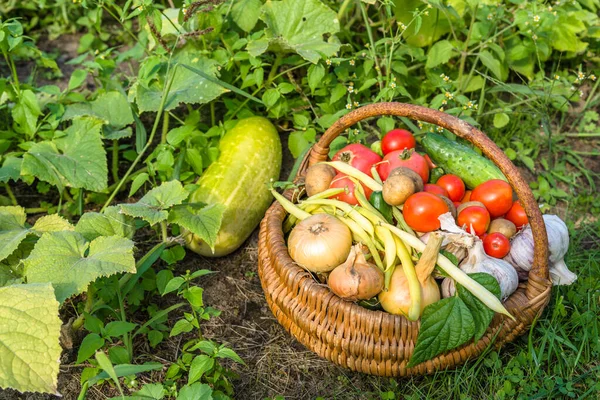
460, 128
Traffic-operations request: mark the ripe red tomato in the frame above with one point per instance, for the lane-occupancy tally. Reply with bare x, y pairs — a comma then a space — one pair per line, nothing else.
517, 215
476, 217
496, 195
343, 181
430, 163
435, 189
496, 245
359, 156
397, 139
453, 185
466, 197
421, 211
404, 158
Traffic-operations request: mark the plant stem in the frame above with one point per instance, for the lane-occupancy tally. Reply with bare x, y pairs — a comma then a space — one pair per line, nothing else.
150, 139
35, 210
274, 69
363, 11
464, 53
163, 231
126, 337
13, 70
11, 195
342, 10
212, 113
115, 160
165, 127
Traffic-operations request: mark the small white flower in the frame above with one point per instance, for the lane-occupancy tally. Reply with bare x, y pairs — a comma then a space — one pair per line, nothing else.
363, 54
581, 93
550, 8
352, 62
426, 13
536, 18
490, 17
534, 36
439, 129
348, 106
441, 108
355, 104
556, 77
393, 85
328, 62
442, 76
444, 102
580, 75
573, 88
592, 77
402, 26
449, 95
350, 89
446, 79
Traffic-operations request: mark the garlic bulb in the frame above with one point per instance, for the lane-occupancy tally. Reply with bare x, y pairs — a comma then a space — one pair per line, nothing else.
521, 251
478, 261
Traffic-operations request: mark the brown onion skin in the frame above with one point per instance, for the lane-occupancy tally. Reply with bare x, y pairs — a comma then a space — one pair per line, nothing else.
396, 300
320, 243
356, 279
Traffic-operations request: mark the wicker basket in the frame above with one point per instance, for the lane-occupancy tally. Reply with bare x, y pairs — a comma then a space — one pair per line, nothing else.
376, 342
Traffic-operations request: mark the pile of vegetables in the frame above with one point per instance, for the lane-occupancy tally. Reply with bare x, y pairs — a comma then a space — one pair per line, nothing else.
437, 237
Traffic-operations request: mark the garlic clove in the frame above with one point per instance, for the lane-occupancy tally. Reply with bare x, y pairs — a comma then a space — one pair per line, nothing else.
560, 273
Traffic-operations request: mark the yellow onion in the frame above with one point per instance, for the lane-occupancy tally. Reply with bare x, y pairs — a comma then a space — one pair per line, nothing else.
356, 279
396, 300
320, 243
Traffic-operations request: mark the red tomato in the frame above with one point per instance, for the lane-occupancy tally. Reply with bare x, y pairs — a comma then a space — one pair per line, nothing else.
435, 189
453, 185
343, 181
517, 215
430, 163
466, 197
476, 217
496, 245
456, 203
359, 156
397, 139
421, 211
404, 158
496, 195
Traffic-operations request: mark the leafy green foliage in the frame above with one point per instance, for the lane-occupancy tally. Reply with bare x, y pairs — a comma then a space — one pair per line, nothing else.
298, 26
70, 263
154, 205
29, 348
204, 222
75, 159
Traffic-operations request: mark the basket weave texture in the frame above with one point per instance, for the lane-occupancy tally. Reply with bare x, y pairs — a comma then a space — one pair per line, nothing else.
376, 342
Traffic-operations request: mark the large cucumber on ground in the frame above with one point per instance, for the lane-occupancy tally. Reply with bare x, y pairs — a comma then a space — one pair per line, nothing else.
458, 159
250, 157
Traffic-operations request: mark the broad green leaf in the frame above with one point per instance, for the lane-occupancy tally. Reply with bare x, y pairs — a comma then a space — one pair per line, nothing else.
29, 332
12, 229
496, 67
181, 326
439, 53
107, 367
153, 206
564, 33
75, 159
90, 344
204, 223
137, 183
199, 366
270, 97
225, 352
316, 73
500, 120
298, 26
51, 223
7, 277
11, 169
188, 87
111, 107
172, 285
126, 370
197, 391
70, 263
445, 325
108, 223
118, 328
150, 391
26, 112
473, 84
245, 13
77, 78
299, 141
482, 315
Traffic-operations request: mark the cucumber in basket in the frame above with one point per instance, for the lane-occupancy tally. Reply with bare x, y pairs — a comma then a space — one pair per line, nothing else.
461, 160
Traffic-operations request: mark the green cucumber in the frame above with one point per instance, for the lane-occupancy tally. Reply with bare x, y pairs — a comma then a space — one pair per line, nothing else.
458, 159
249, 159
384, 208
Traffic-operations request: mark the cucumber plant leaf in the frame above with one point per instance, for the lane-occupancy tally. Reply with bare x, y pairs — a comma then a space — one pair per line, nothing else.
29, 332
298, 26
203, 223
70, 263
75, 159
445, 324
111, 107
153, 207
187, 87
13, 230
11, 169
108, 223
482, 315
245, 13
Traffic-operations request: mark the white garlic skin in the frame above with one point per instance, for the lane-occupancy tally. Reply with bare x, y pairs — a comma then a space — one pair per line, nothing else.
478, 261
521, 251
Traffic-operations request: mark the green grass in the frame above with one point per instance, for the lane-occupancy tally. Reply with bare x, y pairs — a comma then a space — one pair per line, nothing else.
559, 358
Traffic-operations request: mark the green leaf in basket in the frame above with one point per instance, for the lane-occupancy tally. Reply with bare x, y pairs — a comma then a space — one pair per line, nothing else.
482, 315
445, 325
